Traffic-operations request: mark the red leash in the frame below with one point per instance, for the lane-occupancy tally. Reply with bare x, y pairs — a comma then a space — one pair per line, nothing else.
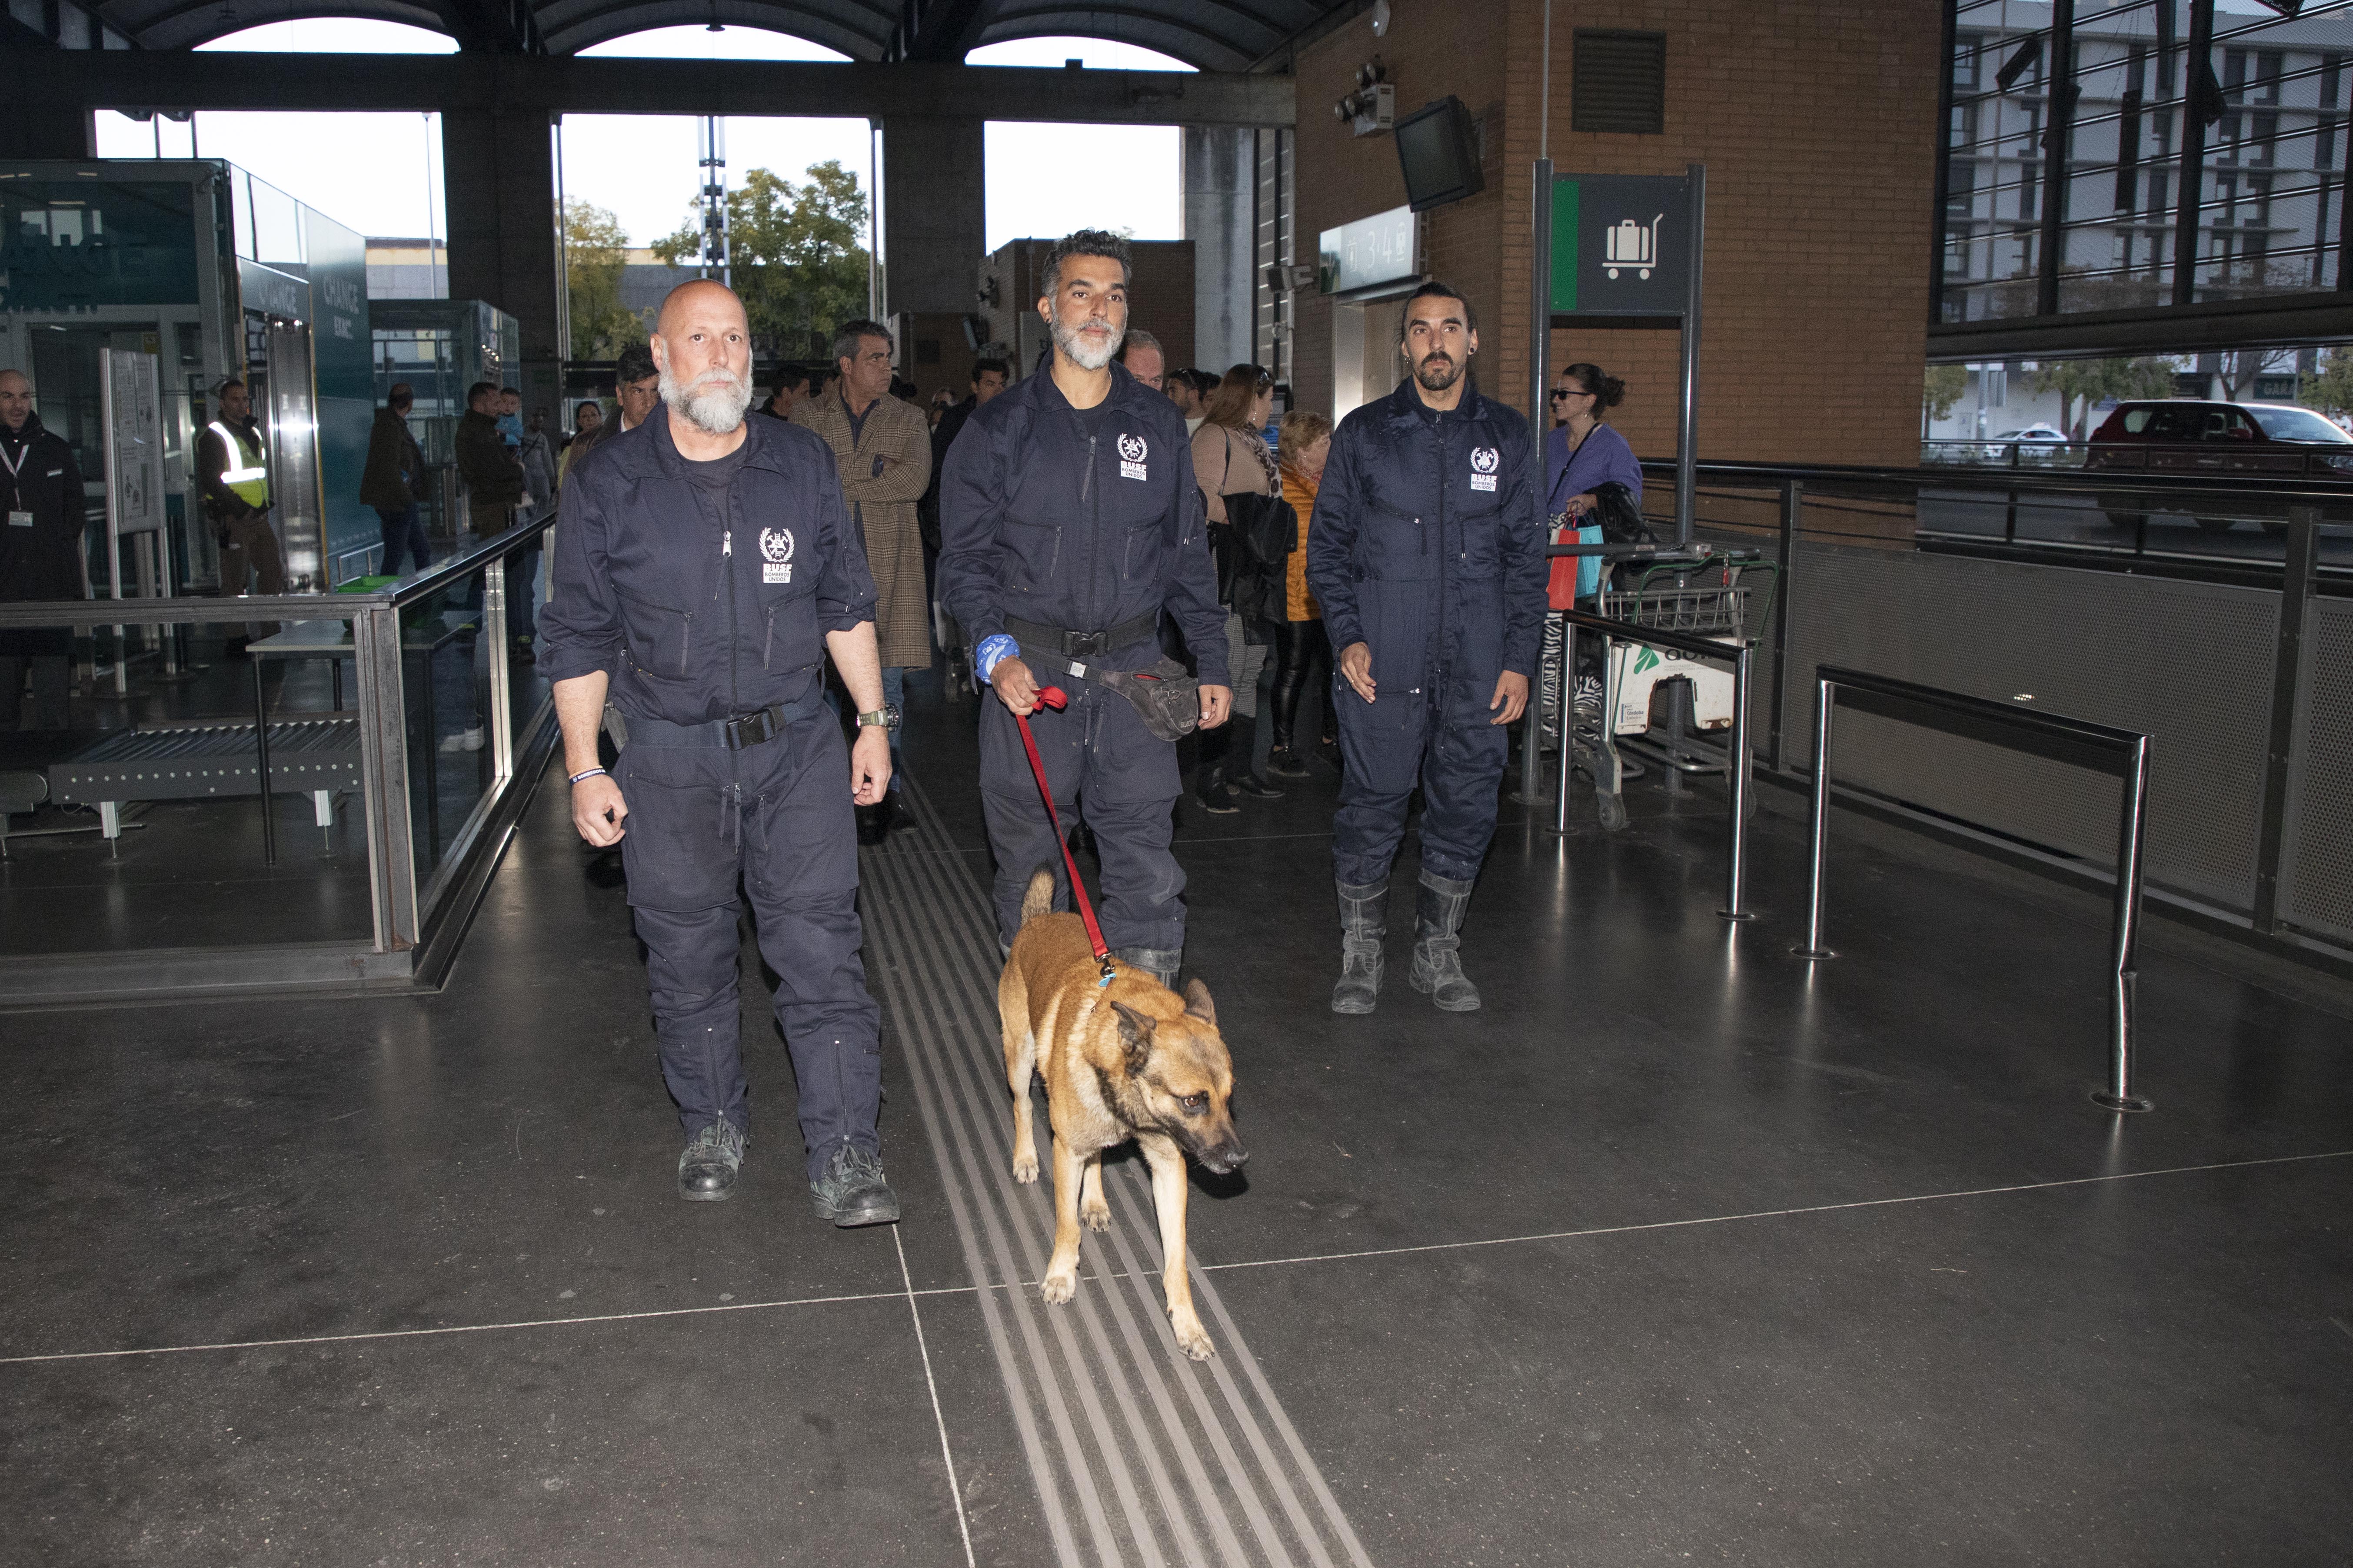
1053, 696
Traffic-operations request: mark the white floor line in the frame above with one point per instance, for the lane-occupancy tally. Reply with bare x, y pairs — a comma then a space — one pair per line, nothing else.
1107, 1275
924, 1349
1769, 1214
485, 1328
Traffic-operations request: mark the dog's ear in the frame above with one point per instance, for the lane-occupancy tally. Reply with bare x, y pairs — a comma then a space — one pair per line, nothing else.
1134, 1035
1198, 1004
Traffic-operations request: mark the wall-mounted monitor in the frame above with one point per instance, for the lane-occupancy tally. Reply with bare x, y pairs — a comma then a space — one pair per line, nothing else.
1439, 152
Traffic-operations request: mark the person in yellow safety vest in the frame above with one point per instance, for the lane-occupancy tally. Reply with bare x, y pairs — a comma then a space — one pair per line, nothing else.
233, 477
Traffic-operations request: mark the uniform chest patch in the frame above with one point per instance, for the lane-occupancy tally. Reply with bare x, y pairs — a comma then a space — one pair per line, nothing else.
1131, 457
1484, 461
776, 555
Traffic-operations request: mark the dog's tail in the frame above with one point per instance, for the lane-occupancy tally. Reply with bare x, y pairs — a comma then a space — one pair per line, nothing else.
1038, 899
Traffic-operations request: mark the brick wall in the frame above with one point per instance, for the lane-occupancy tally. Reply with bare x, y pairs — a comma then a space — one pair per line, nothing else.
1816, 122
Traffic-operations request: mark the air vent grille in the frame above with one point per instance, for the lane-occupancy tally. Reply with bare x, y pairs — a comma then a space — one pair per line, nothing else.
1620, 82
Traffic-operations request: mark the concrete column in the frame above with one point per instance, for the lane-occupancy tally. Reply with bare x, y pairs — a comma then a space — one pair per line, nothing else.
934, 213
499, 168
1217, 184
47, 130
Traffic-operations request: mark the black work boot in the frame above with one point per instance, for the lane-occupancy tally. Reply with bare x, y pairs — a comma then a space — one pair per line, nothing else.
1363, 923
1438, 906
1158, 963
707, 1167
852, 1190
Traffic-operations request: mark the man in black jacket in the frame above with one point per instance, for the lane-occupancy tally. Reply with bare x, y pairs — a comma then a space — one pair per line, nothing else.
393, 483
1427, 552
1070, 521
40, 553
493, 479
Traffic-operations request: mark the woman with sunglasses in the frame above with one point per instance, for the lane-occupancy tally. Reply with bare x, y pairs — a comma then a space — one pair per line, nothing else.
1581, 455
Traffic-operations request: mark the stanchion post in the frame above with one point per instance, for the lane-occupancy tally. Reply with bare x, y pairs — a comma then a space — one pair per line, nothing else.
1793, 507
1736, 843
1567, 723
2118, 1095
1816, 837
1539, 376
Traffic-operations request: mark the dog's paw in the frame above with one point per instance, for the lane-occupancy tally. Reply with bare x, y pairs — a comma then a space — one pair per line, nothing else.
1097, 1214
1024, 1167
1192, 1339
1060, 1286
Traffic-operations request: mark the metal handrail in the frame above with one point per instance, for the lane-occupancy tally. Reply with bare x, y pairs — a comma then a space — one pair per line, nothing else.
197, 610
1737, 760
1771, 475
2099, 747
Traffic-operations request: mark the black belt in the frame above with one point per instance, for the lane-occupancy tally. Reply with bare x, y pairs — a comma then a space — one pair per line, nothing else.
1074, 645
734, 734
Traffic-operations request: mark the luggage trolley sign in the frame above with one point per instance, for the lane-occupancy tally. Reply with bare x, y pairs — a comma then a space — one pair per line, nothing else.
1620, 245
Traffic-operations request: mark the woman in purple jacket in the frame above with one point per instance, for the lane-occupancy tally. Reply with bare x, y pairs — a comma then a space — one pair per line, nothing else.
1581, 455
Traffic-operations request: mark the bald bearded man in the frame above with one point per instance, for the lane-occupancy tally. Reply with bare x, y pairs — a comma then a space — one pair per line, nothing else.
704, 568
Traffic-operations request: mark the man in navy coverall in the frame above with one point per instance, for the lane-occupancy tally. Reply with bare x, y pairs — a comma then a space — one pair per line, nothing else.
1427, 551
1069, 520
704, 568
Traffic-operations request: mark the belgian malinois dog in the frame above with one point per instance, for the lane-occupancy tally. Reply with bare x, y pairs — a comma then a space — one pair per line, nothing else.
1131, 1059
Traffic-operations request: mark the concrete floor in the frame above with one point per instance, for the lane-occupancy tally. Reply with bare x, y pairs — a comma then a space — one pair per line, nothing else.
1679, 1249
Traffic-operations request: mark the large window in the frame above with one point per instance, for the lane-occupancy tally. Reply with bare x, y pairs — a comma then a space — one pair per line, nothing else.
2266, 115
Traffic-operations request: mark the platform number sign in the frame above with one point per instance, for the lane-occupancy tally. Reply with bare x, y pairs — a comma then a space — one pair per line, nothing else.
1620, 245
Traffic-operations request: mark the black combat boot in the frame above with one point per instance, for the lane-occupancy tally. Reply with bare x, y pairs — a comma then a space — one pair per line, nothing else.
1363, 923
1437, 907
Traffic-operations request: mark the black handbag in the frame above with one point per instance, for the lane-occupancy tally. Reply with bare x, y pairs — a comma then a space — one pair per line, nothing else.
1620, 516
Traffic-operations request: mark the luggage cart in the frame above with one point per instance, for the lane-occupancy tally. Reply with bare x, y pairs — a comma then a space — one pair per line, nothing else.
1726, 597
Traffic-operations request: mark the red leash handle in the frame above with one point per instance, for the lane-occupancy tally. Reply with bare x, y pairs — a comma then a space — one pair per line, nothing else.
1053, 696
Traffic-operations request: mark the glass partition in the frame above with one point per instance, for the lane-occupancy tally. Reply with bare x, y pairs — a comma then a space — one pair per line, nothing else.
260, 790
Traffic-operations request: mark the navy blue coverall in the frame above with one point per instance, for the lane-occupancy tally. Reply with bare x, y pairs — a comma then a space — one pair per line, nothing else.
1082, 521
1428, 545
704, 591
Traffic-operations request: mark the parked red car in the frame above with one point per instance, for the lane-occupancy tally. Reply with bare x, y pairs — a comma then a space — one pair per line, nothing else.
2218, 441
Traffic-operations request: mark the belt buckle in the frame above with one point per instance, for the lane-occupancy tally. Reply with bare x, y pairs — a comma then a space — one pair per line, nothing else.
1087, 643
748, 730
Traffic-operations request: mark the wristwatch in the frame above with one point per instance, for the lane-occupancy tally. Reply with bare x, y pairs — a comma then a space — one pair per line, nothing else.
885, 717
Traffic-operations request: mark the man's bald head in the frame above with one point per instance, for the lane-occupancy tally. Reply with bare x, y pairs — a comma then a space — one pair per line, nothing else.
700, 296
703, 348
16, 398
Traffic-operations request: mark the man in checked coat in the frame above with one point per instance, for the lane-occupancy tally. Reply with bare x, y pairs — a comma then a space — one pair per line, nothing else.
883, 449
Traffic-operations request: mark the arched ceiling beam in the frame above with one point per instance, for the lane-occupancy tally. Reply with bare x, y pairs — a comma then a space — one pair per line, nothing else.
571, 29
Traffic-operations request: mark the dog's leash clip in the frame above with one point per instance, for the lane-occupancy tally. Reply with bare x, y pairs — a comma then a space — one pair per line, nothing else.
1108, 974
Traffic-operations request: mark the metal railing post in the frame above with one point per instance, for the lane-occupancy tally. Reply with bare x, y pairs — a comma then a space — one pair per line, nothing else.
2291, 677
378, 673
2124, 940
1819, 819
1738, 761
1567, 720
261, 764
1793, 506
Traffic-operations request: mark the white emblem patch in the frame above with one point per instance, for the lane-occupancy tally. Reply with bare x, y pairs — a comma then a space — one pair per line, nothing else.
1484, 460
1131, 457
776, 555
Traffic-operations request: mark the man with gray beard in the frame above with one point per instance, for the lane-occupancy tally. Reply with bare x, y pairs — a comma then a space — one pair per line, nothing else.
703, 571
1069, 522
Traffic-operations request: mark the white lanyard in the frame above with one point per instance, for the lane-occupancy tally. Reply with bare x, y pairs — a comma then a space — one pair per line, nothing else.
15, 486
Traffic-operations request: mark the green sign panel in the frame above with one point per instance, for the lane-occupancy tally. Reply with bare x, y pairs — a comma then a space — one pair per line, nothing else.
1620, 245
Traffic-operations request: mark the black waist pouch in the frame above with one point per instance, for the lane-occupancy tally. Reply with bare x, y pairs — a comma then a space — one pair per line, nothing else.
1169, 699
